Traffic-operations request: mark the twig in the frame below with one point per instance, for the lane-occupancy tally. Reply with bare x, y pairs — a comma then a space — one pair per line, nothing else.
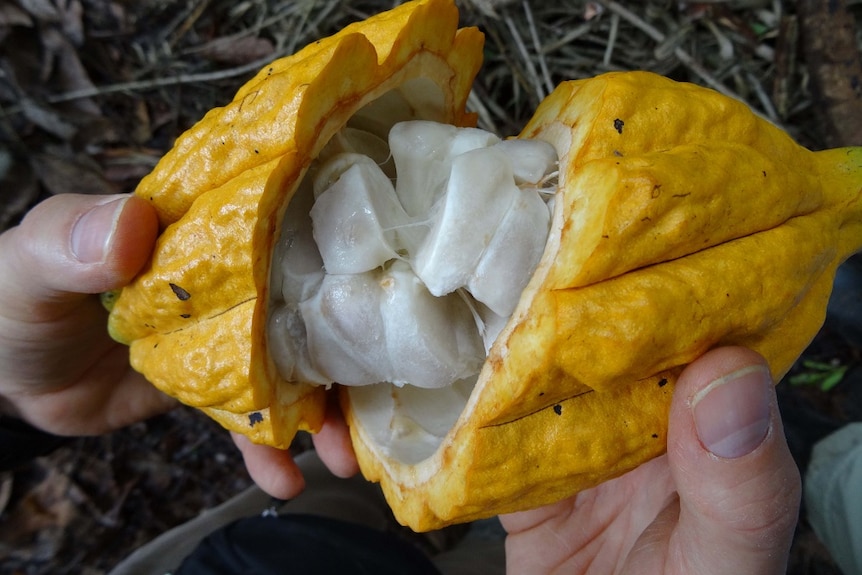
568, 38
537, 46
684, 57
525, 55
195, 13
762, 96
486, 121
612, 39
162, 82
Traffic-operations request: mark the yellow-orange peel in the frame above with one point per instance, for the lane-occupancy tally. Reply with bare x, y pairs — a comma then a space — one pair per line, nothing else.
681, 222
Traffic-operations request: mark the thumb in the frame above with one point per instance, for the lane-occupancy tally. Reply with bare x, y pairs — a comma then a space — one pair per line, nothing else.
74, 244
738, 485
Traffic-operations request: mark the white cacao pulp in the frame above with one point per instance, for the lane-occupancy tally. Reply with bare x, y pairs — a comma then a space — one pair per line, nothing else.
399, 263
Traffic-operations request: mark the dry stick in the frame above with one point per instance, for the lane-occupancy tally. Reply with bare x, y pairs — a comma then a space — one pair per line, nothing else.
306, 23
725, 46
474, 101
162, 82
762, 96
194, 78
537, 46
525, 55
683, 56
188, 22
612, 40
567, 38
295, 33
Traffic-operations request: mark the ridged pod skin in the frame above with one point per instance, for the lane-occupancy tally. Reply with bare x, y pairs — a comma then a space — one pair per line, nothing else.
682, 222
195, 316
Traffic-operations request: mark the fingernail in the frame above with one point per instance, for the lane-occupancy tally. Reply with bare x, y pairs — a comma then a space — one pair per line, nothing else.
93, 232
731, 414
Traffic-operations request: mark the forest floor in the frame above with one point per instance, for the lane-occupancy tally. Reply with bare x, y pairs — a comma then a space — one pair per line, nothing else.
94, 92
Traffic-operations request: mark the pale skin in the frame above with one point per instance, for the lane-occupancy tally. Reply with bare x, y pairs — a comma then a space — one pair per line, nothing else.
724, 499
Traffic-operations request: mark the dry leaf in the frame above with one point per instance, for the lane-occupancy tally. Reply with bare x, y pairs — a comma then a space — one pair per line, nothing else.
46, 505
11, 15
72, 23
18, 189
237, 51
62, 59
47, 119
62, 172
43, 10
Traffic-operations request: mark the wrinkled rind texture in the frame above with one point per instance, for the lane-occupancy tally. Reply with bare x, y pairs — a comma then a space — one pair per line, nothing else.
195, 316
665, 259
683, 222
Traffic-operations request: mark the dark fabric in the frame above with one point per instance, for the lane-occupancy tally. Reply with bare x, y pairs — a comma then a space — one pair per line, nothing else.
20, 442
305, 545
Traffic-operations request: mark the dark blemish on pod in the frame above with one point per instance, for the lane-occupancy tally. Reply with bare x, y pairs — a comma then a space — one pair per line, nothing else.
185, 315
655, 435
662, 382
558, 409
255, 418
618, 125
182, 294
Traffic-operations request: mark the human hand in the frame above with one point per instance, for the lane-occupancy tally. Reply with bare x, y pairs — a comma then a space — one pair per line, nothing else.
724, 499
59, 369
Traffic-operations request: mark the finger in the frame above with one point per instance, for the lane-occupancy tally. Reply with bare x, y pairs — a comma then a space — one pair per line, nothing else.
738, 486
74, 244
333, 445
273, 470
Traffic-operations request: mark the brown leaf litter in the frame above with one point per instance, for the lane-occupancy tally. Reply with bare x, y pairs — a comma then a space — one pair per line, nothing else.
93, 92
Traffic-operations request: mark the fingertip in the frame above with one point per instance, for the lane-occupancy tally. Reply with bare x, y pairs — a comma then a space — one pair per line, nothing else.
724, 406
273, 470
132, 244
333, 444
733, 412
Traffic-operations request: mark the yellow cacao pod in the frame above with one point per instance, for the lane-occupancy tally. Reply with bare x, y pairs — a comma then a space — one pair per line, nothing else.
680, 222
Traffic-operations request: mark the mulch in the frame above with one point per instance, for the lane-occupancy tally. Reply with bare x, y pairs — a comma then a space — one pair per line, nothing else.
93, 92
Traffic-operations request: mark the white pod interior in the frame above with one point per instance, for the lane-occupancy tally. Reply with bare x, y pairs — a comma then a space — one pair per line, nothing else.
398, 263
